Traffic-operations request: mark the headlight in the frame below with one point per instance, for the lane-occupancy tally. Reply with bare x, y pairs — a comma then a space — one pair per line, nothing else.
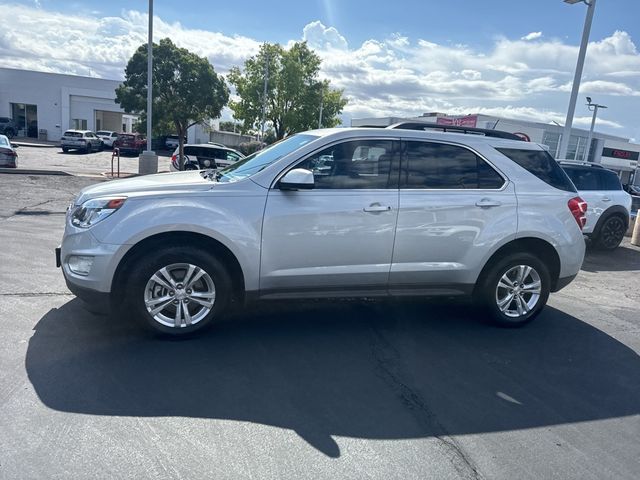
96, 210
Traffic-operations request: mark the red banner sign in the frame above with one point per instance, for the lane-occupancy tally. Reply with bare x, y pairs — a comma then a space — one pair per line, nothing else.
468, 121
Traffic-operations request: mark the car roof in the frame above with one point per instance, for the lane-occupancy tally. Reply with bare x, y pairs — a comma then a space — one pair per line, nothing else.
455, 137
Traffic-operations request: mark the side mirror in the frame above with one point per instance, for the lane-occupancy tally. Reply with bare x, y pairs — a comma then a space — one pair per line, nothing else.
13, 145
297, 179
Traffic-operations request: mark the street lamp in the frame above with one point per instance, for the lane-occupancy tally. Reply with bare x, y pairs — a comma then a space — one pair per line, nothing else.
593, 123
564, 143
148, 160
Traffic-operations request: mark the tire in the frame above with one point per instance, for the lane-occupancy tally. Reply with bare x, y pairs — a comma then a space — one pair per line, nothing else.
88, 148
205, 302
611, 233
494, 290
65, 150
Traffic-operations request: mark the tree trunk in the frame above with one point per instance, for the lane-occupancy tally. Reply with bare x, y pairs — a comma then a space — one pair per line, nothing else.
181, 134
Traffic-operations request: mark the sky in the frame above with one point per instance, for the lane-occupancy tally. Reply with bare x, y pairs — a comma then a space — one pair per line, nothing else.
510, 58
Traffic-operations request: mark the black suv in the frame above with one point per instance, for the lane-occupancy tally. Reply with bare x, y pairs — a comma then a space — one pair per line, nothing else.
8, 127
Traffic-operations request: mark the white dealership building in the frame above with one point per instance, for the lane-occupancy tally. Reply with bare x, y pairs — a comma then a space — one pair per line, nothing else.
616, 153
44, 105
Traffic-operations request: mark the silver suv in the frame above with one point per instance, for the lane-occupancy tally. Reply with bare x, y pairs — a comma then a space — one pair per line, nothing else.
332, 213
609, 205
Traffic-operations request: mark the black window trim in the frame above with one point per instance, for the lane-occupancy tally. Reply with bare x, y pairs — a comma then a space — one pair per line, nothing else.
403, 163
395, 161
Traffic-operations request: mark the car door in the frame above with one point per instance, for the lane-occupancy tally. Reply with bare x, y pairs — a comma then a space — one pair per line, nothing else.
454, 206
587, 182
337, 236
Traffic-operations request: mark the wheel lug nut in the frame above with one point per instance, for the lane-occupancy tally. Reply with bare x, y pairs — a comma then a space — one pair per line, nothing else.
172, 293
189, 292
186, 300
175, 302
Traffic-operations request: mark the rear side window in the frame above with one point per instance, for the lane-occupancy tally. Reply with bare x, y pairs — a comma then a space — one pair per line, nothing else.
72, 134
609, 180
441, 166
542, 165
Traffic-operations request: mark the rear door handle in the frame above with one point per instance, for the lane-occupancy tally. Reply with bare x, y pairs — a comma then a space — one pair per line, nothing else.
376, 207
606, 199
486, 203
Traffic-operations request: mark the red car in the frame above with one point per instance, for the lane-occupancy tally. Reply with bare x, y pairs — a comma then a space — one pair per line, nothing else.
130, 143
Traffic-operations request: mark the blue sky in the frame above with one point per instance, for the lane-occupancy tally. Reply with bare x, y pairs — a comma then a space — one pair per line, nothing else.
512, 58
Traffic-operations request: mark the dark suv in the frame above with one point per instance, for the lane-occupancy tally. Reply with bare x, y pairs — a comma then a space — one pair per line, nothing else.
8, 127
130, 143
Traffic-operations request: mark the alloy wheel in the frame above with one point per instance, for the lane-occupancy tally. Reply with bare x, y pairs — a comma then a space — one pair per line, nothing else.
612, 232
179, 295
518, 291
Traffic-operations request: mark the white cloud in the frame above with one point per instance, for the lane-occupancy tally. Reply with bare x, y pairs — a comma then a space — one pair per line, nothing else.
531, 36
323, 38
394, 76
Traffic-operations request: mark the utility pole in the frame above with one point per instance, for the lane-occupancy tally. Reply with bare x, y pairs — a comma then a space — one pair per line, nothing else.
264, 95
593, 124
321, 105
564, 142
148, 161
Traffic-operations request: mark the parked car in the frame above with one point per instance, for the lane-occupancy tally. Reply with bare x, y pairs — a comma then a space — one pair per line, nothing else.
107, 137
8, 127
609, 205
130, 143
172, 141
8, 154
201, 156
80, 140
400, 212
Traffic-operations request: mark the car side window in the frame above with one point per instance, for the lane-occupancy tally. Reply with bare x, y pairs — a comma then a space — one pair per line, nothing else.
584, 178
609, 180
356, 164
440, 166
232, 157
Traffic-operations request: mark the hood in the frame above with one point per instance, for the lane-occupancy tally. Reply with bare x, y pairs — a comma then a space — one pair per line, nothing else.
157, 184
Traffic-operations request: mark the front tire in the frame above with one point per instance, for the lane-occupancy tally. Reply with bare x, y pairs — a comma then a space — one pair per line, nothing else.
514, 290
611, 233
178, 291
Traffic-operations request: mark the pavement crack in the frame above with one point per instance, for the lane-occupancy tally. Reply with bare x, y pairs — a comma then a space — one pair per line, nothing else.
389, 363
25, 210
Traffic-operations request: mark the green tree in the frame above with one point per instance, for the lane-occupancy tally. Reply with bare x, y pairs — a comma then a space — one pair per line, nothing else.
186, 89
294, 91
231, 126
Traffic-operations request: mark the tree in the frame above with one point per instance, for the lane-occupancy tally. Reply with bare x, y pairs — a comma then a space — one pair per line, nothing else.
231, 126
294, 91
186, 89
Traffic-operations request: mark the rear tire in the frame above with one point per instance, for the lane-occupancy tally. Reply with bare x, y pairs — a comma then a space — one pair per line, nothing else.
179, 291
611, 233
513, 290
65, 150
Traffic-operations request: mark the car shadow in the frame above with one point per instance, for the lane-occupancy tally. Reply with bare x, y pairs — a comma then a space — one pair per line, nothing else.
376, 370
622, 259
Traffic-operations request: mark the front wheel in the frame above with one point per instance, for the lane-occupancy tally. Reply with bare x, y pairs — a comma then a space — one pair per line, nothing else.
514, 290
179, 291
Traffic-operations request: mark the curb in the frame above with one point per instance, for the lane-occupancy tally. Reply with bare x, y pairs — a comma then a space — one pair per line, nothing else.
27, 171
36, 145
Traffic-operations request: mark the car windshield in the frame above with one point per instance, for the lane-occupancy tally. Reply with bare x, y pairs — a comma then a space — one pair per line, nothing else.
263, 158
3, 141
103, 133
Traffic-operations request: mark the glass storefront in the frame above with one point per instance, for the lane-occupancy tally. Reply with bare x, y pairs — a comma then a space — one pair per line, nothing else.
26, 119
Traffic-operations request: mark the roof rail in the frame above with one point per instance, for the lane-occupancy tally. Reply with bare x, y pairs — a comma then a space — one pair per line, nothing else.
580, 163
456, 129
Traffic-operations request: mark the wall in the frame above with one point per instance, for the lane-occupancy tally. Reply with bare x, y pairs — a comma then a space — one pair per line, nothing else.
57, 97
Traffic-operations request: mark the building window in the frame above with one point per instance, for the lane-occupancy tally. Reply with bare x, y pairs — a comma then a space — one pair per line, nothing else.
551, 140
26, 119
79, 124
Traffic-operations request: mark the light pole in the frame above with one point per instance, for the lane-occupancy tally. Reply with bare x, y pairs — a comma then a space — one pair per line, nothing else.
148, 161
564, 142
593, 123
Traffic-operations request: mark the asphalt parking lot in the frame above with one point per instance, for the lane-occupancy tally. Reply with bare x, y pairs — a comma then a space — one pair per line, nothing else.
373, 389
80, 163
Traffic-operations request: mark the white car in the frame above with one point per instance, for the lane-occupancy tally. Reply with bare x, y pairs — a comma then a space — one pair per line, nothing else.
609, 205
203, 156
399, 212
84, 140
107, 137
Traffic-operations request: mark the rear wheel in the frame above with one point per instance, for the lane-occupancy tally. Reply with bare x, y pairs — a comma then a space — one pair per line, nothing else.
88, 148
179, 291
65, 150
514, 290
611, 233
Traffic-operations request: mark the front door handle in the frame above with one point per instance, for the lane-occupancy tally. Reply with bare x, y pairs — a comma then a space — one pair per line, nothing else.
487, 203
376, 207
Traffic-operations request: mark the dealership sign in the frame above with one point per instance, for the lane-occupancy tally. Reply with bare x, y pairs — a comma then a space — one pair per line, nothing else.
618, 153
468, 121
